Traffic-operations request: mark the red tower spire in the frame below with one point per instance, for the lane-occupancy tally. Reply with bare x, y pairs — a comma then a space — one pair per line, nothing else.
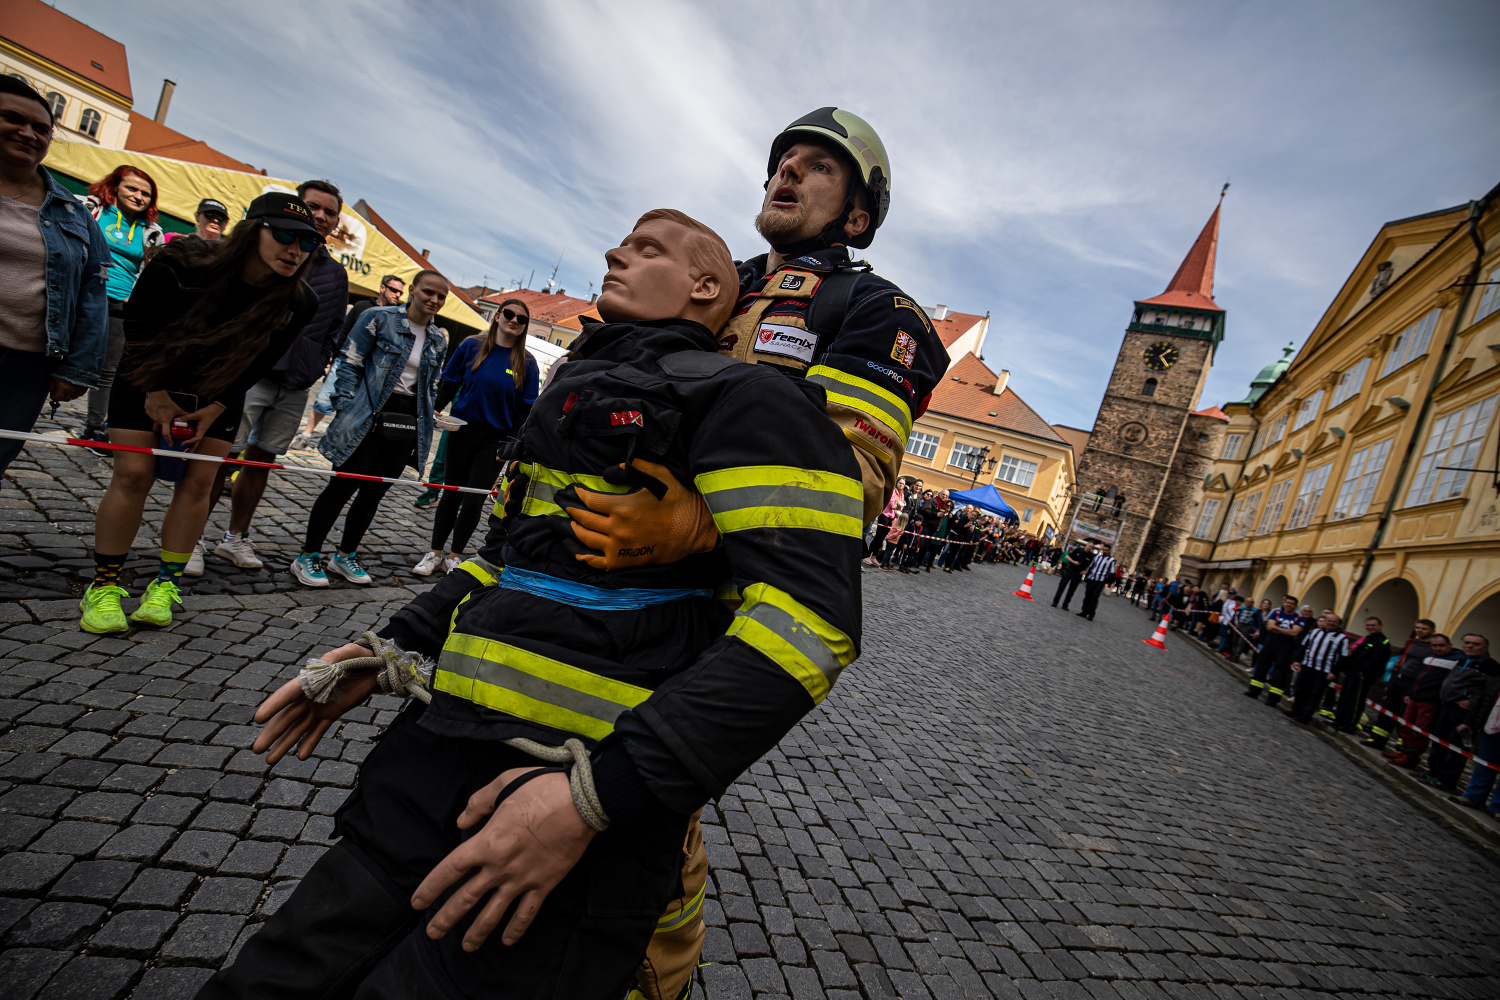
1193, 284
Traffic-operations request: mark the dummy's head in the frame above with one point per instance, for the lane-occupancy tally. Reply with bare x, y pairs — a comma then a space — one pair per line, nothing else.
671, 266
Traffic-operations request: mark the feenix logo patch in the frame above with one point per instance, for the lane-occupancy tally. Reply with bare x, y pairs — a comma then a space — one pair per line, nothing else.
787, 341
625, 418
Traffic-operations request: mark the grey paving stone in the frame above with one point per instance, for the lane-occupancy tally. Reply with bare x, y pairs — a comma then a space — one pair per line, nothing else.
203, 937
81, 744
227, 895
158, 887
285, 792
298, 860
230, 817
170, 810
200, 850
137, 842
133, 778
17, 831
55, 925
74, 837
180, 983
24, 971
252, 857
278, 824
36, 800
133, 932
94, 881
29, 872
12, 910
93, 978
108, 807
81, 774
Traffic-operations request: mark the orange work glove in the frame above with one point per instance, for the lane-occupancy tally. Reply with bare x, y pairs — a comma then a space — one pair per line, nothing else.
635, 529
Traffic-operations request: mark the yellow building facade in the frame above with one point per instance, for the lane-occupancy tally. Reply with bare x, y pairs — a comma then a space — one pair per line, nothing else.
1359, 474
976, 420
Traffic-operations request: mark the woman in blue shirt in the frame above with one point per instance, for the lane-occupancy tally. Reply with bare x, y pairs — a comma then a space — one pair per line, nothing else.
124, 205
492, 382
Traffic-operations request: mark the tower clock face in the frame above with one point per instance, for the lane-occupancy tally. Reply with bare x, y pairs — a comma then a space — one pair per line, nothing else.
1160, 356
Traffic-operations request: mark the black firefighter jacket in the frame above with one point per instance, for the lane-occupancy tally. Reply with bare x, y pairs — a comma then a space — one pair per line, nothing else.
681, 695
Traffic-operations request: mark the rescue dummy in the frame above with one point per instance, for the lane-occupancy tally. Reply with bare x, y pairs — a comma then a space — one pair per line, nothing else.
464, 869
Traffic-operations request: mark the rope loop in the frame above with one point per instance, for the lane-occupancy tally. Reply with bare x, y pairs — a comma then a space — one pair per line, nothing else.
580, 776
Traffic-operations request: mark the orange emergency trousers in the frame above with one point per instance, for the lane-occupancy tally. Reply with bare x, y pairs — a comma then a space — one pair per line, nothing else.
667, 971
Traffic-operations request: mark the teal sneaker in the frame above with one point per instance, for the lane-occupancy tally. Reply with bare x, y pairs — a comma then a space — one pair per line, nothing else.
156, 604
308, 569
348, 566
101, 609
427, 499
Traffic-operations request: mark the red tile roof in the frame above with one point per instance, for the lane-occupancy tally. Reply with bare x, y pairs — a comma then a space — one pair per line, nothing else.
544, 307
954, 326
1193, 284
1075, 437
968, 391
153, 138
1212, 411
47, 32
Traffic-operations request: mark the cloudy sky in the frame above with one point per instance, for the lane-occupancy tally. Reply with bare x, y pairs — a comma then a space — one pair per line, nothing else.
1051, 162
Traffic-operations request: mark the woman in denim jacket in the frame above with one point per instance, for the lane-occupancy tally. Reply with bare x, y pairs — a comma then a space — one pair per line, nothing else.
53, 313
386, 388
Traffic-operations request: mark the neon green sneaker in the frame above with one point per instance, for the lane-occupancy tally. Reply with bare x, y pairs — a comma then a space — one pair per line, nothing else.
156, 604
101, 609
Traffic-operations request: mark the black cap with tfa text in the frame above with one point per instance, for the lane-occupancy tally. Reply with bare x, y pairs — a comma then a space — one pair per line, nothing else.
285, 211
212, 206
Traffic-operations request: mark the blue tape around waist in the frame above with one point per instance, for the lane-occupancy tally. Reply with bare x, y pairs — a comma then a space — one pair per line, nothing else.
581, 595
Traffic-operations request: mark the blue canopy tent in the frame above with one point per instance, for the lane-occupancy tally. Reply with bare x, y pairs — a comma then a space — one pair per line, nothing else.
986, 498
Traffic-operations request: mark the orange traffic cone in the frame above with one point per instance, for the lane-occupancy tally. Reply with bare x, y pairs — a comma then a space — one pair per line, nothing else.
1158, 635
1025, 590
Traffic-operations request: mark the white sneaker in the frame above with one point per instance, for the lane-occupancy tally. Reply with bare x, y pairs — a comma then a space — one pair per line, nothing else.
194, 565
240, 552
451, 563
428, 563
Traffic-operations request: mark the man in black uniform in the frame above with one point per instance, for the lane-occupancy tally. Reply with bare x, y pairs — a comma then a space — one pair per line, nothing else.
1070, 571
660, 696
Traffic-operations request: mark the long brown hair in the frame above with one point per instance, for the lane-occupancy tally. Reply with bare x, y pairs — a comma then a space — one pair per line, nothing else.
234, 343
106, 188
518, 349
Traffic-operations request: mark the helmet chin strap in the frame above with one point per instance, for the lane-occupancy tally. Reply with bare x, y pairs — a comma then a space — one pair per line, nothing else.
831, 235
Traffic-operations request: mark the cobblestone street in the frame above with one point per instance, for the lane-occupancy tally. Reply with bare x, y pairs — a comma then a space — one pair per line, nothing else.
998, 800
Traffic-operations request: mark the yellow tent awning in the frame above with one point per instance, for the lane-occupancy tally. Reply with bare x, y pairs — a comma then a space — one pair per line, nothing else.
363, 250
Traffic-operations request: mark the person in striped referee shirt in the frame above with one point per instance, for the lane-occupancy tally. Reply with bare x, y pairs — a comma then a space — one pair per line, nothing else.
1101, 570
1323, 654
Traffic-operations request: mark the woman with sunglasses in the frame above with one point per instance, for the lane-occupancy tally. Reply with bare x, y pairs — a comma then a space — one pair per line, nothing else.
384, 400
205, 322
124, 205
492, 391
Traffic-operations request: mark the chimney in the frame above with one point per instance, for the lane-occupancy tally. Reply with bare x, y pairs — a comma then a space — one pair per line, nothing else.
593, 298
939, 312
165, 101
1002, 381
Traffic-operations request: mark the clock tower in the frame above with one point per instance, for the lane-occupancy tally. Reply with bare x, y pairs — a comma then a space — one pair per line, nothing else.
1151, 448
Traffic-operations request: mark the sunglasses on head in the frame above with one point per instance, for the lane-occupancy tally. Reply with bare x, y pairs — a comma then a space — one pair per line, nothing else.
514, 317
307, 241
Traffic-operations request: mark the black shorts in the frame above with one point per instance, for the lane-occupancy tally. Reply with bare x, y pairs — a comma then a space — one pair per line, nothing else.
127, 410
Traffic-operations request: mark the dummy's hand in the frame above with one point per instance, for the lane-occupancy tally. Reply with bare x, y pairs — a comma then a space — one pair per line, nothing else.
290, 718
533, 839
635, 529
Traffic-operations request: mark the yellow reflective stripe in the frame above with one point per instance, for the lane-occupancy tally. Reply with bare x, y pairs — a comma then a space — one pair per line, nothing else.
782, 496
793, 636
481, 569
865, 396
530, 686
673, 919
545, 482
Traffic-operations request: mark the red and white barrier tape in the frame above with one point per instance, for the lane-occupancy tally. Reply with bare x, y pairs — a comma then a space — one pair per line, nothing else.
192, 457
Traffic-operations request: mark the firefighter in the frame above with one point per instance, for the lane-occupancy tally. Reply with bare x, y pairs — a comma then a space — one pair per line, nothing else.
668, 695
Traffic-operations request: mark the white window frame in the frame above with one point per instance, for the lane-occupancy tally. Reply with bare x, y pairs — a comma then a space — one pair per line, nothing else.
1453, 443
1490, 300
1350, 384
1411, 343
1309, 495
1026, 514
1360, 480
1231, 449
82, 130
1017, 467
923, 446
1308, 411
1245, 517
964, 450
1206, 518
1276, 432
1275, 504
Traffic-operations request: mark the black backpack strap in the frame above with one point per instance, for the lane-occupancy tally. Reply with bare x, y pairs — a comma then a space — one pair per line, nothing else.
695, 364
830, 304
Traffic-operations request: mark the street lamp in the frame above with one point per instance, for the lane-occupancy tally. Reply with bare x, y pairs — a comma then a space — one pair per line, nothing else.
976, 463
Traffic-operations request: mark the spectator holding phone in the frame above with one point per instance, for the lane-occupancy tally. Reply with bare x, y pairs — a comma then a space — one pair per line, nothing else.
385, 397
205, 322
492, 382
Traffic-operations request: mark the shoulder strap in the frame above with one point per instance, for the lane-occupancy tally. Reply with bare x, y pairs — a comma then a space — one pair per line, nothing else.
695, 364
830, 302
